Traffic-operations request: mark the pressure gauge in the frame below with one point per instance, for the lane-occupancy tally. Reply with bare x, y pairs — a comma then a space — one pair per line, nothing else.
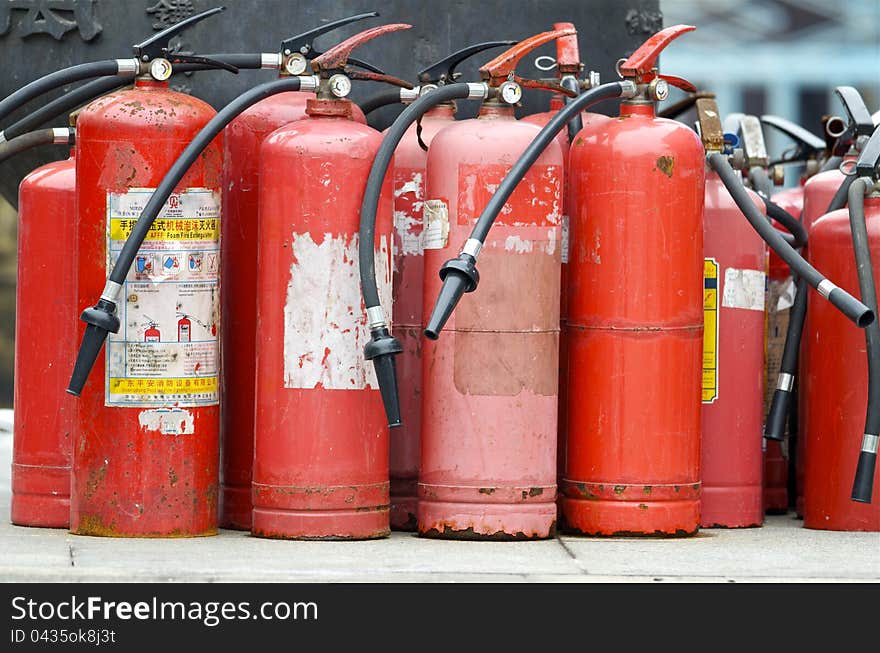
510, 92
160, 69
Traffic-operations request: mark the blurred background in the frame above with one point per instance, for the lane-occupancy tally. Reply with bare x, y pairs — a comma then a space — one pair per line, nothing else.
758, 56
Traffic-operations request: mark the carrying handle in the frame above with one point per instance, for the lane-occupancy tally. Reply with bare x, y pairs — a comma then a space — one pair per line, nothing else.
860, 122
302, 45
641, 66
503, 67
158, 45
443, 71
336, 59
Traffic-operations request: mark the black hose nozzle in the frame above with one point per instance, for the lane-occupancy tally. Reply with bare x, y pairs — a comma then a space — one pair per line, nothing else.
382, 349
459, 276
101, 320
777, 416
863, 484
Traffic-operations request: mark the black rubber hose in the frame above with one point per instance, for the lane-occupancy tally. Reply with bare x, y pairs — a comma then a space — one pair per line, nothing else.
777, 415
794, 226
65, 104
31, 140
88, 92
381, 162
383, 347
782, 397
831, 163
102, 319
460, 274
575, 124
864, 478
57, 79
842, 300
379, 100
840, 197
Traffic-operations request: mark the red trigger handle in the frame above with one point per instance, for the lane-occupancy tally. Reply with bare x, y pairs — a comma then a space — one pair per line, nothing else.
642, 62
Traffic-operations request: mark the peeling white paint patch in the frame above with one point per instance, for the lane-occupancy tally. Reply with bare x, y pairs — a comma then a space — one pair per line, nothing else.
518, 245
167, 421
743, 289
325, 324
414, 186
550, 248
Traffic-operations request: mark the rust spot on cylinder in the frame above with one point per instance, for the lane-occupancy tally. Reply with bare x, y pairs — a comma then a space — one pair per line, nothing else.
619, 489
487, 490
666, 164
172, 476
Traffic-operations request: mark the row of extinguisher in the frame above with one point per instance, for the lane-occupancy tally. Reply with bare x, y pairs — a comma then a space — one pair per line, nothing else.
623, 262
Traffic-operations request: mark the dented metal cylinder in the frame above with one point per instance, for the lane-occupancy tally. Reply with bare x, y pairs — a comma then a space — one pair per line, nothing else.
145, 453
410, 163
635, 327
489, 393
241, 179
46, 347
321, 439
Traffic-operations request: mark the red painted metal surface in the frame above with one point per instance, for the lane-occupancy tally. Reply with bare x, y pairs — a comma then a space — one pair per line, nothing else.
819, 190
731, 466
241, 178
321, 440
568, 63
780, 281
489, 393
129, 478
410, 170
838, 380
636, 327
45, 320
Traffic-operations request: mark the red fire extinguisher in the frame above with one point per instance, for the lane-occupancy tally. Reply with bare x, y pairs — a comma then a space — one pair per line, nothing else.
568, 68
837, 365
823, 193
238, 256
43, 426
499, 360
321, 442
733, 342
410, 171
636, 316
158, 475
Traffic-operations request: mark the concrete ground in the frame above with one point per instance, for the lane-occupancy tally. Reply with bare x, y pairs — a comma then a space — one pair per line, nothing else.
781, 551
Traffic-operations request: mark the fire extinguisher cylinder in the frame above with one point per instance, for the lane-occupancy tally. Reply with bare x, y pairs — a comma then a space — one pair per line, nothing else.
855, 310
101, 318
460, 275
864, 476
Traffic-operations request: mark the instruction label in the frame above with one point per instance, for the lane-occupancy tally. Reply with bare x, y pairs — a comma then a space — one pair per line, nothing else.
167, 349
710, 330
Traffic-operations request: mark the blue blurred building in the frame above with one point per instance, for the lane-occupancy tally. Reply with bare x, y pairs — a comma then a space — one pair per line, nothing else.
778, 56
